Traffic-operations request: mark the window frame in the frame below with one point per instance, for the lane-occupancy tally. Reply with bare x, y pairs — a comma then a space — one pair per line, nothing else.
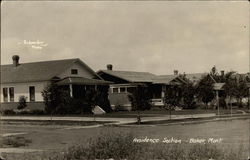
74, 71
5, 94
11, 94
124, 91
116, 88
32, 95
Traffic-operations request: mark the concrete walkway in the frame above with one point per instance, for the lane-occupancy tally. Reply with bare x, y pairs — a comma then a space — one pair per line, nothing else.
115, 121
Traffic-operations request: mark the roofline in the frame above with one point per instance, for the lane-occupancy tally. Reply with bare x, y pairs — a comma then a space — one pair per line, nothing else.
42, 61
78, 59
114, 75
45, 80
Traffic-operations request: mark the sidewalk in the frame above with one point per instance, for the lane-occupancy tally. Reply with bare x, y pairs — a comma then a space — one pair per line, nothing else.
116, 121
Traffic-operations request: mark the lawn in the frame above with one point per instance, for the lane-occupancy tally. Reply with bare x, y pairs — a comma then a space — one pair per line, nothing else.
234, 133
53, 122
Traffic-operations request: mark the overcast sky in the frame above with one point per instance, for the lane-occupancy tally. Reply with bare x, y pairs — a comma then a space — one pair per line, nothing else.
153, 36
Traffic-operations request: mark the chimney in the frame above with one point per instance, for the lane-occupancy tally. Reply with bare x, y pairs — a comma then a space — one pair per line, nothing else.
109, 67
222, 72
15, 59
175, 72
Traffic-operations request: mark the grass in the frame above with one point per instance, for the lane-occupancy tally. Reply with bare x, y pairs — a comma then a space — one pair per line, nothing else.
154, 111
118, 145
54, 122
12, 141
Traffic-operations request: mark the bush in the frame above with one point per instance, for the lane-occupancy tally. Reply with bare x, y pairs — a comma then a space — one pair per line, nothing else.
14, 141
8, 112
22, 102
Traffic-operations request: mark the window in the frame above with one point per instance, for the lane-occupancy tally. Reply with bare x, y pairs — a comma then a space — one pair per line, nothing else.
122, 90
5, 94
11, 93
115, 90
74, 71
32, 93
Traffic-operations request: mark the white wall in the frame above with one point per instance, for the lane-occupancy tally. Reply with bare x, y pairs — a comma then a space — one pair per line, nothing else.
82, 72
22, 89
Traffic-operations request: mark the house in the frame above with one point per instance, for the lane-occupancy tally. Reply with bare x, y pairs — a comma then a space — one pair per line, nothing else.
30, 79
125, 82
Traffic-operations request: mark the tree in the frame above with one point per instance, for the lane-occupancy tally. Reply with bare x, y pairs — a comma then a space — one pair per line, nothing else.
241, 89
188, 94
22, 102
56, 99
230, 86
205, 90
172, 97
140, 100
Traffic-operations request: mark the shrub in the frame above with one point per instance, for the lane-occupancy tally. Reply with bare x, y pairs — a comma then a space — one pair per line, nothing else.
15, 141
22, 102
8, 112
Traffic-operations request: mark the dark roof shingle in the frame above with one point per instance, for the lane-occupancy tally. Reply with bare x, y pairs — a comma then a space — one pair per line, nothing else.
82, 81
131, 76
34, 71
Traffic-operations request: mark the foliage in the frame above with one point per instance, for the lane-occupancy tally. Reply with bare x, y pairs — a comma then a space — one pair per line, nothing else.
188, 95
22, 102
112, 145
58, 101
102, 98
241, 90
8, 112
12, 141
172, 96
140, 98
205, 89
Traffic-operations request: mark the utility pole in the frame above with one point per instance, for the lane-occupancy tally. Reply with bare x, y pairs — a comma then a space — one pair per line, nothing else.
218, 102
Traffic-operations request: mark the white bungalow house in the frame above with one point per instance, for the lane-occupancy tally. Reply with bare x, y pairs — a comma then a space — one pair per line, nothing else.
29, 79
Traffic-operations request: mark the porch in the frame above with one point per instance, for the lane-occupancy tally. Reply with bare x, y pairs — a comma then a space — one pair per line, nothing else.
87, 90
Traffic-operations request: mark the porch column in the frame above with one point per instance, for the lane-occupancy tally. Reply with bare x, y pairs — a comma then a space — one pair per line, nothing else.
71, 90
163, 90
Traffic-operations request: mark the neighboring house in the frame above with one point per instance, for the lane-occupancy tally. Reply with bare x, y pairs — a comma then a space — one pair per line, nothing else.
125, 82
30, 79
196, 77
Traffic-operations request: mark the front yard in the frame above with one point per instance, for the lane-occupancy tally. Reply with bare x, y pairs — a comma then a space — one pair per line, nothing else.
48, 138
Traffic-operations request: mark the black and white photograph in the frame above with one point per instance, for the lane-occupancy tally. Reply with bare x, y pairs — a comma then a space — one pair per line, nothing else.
125, 80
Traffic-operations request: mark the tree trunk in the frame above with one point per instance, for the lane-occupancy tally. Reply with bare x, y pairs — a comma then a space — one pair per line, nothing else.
231, 106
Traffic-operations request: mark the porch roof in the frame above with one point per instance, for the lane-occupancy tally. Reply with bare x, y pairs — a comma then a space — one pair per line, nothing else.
82, 81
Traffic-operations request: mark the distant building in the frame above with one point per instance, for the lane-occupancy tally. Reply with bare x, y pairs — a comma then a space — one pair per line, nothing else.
29, 79
125, 82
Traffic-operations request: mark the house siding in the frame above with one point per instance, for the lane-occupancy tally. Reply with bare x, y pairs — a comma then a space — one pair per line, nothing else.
82, 72
30, 106
22, 89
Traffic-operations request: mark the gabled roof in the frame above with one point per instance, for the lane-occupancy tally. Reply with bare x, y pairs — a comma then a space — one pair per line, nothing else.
131, 76
167, 79
36, 71
82, 81
195, 76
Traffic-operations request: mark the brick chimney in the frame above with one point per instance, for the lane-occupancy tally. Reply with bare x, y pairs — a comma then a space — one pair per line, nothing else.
15, 59
109, 67
175, 72
222, 72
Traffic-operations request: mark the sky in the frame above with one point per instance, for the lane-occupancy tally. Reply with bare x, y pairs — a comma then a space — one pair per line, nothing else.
149, 36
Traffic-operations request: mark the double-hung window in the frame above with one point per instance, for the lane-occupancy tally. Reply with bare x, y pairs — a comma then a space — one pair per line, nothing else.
32, 93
